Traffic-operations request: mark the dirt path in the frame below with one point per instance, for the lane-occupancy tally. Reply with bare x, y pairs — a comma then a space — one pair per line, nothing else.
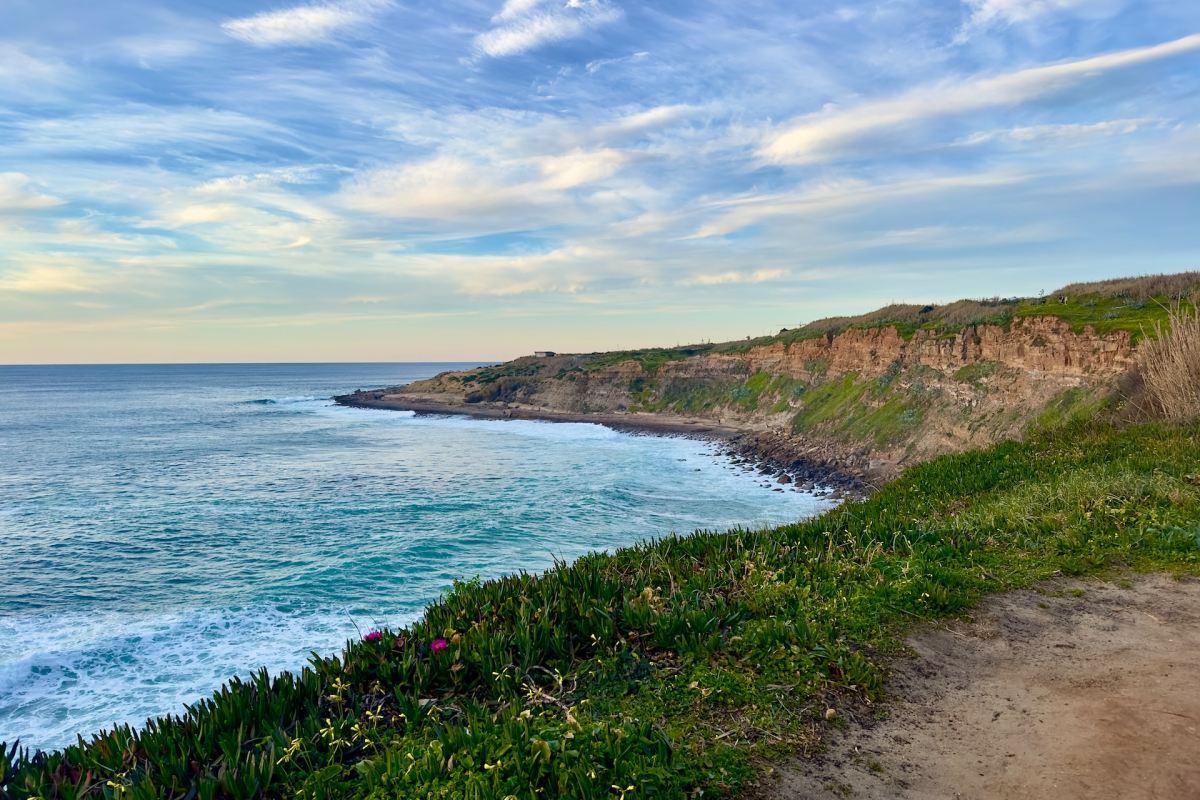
1081, 690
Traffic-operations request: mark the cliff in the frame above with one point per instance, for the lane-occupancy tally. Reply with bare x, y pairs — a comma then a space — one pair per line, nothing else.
870, 394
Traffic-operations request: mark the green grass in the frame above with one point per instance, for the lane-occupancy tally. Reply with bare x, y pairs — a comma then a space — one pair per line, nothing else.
520, 368
1070, 407
651, 359
1103, 314
832, 401
841, 406
974, 373
672, 669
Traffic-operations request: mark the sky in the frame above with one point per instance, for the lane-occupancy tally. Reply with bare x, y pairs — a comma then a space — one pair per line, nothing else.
362, 180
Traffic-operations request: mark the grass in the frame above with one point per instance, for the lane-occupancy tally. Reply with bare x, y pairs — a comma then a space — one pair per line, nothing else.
651, 359
975, 373
1070, 407
861, 410
1103, 314
1170, 365
672, 669
832, 401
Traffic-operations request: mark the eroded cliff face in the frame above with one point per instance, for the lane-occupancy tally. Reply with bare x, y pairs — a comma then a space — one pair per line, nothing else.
1038, 344
869, 396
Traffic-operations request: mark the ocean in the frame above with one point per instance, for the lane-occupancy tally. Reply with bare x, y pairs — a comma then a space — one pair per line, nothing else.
165, 528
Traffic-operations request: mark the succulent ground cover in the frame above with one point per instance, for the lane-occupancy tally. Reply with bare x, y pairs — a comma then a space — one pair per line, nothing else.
677, 668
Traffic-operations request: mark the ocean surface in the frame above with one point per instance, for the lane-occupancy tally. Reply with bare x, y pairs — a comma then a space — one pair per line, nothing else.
164, 528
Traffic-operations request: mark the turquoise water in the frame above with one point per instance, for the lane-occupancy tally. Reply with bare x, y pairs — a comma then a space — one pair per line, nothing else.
165, 528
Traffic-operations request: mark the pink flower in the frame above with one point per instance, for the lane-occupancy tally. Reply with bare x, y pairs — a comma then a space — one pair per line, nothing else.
373, 636
438, 645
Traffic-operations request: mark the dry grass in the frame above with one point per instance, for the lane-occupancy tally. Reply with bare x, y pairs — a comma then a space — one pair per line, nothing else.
958, 314
1170, 365
1142, 287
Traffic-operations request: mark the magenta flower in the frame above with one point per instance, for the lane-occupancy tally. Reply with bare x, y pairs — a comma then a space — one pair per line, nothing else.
373, 636
438, 645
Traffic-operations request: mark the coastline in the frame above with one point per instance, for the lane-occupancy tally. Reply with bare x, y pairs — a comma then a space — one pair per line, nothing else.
808, 468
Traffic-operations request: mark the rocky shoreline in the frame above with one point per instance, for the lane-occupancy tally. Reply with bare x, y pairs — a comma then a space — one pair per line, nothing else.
803, 466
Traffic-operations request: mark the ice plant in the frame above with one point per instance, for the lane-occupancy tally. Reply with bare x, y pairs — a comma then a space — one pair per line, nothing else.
373, 636
438, 645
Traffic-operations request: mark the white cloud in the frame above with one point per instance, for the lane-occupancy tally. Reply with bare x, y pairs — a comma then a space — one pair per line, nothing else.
648, 120
733, 276
600, 63
17, 64
308, 24
1068, 133
240, 184
825, 134
47, 279
17, 195
575, 169
203, 214
987, 12
836, 196
451, 187
524, 25
23, 74
134, 126
513, 9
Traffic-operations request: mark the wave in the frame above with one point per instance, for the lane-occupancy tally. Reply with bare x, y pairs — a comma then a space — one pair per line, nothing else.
284, 401
86, 671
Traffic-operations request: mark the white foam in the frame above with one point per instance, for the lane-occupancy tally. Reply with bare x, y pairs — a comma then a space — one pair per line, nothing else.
86, 671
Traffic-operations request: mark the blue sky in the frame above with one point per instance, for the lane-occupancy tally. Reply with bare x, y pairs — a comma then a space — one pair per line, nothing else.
385, 179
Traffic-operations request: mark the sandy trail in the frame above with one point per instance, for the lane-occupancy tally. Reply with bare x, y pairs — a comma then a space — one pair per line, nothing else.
1078, 690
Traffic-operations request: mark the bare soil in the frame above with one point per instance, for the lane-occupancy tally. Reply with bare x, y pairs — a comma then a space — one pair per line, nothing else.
1074, 690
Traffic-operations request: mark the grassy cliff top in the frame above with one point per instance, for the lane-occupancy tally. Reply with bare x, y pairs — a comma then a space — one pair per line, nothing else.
1122, 304
664, 669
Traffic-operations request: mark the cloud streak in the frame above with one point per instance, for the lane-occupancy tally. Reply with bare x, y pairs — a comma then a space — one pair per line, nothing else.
17, 195
522, 26
988, 12
303, 25
829, 134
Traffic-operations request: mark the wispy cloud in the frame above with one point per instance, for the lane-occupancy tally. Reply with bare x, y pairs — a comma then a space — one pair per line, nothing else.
988, 12
598, 64
735, 276
1075, 132
842, 195
48, 279
504, 192
649, 120
139, 126
17, 195
827, 134
525, 25
26, 74
301, 25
